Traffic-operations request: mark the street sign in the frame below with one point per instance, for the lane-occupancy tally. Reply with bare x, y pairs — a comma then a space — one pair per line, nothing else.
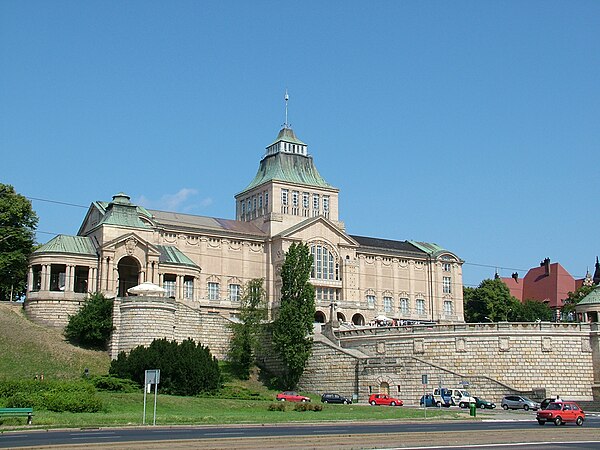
152, 378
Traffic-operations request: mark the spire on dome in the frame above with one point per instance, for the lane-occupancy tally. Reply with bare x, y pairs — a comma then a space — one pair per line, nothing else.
286, 124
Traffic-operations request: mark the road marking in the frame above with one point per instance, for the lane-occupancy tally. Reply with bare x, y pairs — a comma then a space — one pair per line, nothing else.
225, 433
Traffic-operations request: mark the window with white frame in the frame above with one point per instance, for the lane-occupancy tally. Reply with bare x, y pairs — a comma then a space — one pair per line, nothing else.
446, 267
327, 294
169, 284
295, 202
284, 196
234, 292
305, 199
267, 201
404, 308
326, 203
420, 304
371, 301
387, 304
188, 288
447, 285
213, 290
315, 206
325, 265
448, 308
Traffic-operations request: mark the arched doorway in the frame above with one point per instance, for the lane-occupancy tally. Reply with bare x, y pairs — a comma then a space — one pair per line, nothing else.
358, 319
129, 272
341, 317
320, 317
384, 388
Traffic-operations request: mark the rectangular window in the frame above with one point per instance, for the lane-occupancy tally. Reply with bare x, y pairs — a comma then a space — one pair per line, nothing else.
371, 301
260, 205
295, 198
316, 202
213, 291
284, 196
188, 288
387, 304
169, 285
447, 285
81, 279
234, 292
254, 202
404, 309
305, 200
448, 310
58, 275
420, 306
266, 200
446, 267
326, 203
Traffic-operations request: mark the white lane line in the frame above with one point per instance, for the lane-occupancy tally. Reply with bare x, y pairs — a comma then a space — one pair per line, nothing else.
225, 433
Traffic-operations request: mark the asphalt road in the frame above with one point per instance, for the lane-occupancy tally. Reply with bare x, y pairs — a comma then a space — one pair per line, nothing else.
495, 429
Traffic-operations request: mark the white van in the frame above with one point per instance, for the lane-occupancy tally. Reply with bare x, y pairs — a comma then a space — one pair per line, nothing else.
461, 397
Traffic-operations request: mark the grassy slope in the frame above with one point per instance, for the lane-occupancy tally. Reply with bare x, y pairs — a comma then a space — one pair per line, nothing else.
27, 349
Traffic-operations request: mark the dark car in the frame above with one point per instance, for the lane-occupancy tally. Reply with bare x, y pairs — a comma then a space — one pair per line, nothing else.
544, 403
335, 398
484, 404
428, 400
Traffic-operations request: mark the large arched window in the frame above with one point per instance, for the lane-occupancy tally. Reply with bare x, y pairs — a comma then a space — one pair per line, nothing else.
325, 265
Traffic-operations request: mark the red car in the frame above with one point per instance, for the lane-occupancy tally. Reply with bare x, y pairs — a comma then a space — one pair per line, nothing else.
561, 413
291, 396
384, 399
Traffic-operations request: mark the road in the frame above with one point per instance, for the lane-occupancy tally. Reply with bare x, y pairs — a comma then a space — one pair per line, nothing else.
343, 435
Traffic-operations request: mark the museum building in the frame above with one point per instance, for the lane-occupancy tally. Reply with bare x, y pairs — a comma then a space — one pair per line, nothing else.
204, 262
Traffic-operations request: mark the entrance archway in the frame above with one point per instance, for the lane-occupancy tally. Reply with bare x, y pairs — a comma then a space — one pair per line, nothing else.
320, 317
129, 273
384, 388
358, 319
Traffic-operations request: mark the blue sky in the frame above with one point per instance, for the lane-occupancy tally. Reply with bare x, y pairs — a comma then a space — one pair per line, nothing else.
471, 124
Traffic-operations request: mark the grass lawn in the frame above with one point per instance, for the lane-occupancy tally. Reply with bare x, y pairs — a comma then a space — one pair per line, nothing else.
127, 410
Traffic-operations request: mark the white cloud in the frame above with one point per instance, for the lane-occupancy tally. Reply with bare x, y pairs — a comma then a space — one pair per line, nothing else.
180, 201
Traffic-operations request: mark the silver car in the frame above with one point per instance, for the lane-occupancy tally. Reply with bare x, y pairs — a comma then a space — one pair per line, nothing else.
519, 402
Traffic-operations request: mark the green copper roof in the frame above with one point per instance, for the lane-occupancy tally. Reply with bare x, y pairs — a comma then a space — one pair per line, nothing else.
593, 298
122, 212
78, 245
172, 255
290, 168
287, 135
429, 248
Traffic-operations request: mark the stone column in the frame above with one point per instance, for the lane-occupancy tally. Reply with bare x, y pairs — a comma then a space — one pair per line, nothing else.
46, 268
110, 279
30, 279
103, 274
70, 282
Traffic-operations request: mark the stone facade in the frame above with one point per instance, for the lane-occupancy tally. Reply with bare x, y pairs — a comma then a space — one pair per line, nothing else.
538, 359
203, 263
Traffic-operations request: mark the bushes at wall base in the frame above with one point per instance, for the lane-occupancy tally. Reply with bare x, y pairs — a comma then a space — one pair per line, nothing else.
300, 407
57, 396
114, 384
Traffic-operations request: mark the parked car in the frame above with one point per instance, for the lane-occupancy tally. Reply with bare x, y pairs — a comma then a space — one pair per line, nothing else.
484, 404
384, 399
428, 400
335, 398
561, 413
519, 402
291, 396
544, 403
443, 397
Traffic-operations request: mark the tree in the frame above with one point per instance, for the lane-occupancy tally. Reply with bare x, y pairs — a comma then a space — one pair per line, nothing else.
92, 325
185, 368
294, 322
490, 301
244, 342
18, 222
573, 298
533, 310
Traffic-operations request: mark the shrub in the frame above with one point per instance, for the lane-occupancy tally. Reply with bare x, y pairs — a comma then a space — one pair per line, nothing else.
301, 407
185, 369
50, 395
276, 407
92, 325
114, 384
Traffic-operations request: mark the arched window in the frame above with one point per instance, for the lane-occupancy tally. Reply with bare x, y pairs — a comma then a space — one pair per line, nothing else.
325, 265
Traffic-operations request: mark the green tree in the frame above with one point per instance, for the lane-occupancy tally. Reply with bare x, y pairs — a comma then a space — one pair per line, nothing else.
490, 301
532, 311
185, 368
92, 325
573, 298
294, 322
245, 338
18, 222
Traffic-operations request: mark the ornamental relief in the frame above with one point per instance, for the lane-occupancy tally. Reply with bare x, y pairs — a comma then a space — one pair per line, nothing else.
170, 238
214, 243
130, 245
234, 245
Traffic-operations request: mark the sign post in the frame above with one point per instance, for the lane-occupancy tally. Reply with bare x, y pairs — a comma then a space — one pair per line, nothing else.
424, 382
152, 377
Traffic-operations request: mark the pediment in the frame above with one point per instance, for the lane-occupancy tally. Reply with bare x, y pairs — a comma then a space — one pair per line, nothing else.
131, 240
318, 227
